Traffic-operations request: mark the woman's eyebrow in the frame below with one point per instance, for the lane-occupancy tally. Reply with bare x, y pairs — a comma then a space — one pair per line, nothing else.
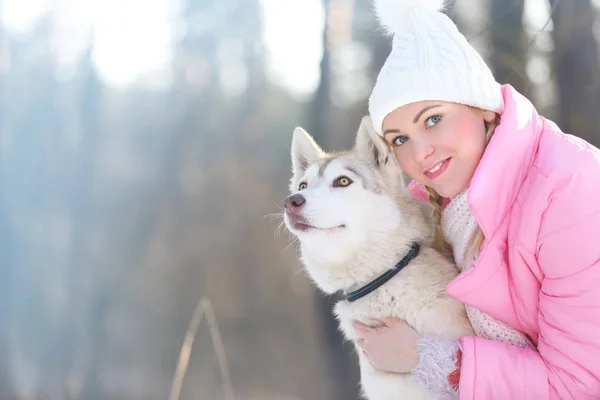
388, 131
420, 113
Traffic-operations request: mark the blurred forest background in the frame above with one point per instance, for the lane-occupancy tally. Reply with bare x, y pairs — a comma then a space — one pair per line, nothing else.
144, 142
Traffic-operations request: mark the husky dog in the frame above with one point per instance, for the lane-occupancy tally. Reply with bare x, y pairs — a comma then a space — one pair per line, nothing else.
363, 236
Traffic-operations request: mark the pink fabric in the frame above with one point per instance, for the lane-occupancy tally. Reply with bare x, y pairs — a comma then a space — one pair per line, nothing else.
536, 196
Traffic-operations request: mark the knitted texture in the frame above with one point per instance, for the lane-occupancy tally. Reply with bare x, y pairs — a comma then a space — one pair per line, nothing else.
430, 60
459, 225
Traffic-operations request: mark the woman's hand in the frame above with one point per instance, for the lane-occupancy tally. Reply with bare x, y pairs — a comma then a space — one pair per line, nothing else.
392, 347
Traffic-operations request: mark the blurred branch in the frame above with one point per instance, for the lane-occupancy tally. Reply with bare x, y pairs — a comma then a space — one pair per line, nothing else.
543, 28
204, 308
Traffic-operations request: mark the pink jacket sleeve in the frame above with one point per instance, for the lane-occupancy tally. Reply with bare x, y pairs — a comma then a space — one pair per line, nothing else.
567, 363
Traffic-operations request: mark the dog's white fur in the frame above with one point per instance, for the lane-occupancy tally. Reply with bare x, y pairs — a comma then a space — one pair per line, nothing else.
366, 228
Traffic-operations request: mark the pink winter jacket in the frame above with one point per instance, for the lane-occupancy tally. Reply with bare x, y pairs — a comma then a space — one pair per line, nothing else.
536, 196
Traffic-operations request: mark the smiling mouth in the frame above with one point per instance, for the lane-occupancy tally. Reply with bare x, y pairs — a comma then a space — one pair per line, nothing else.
437, 169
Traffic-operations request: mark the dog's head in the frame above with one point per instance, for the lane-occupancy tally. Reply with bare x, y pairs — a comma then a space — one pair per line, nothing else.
341, 203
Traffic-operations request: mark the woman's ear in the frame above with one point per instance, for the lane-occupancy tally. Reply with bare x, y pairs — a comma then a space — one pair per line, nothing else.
489, 116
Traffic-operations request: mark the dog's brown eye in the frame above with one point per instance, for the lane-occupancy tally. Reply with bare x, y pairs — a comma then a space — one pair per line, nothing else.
342, 181
302, 186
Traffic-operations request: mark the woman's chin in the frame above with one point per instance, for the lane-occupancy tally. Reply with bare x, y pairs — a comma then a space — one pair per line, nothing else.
450, 189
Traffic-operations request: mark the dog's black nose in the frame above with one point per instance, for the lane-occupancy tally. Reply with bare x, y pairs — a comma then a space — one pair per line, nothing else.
294, 203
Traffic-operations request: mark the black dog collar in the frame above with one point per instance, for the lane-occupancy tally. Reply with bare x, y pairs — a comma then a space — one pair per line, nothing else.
383, 278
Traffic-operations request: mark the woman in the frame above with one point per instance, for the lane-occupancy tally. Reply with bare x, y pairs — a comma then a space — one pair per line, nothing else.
516, 203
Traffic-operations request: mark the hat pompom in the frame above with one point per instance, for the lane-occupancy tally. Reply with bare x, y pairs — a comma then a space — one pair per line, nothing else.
392, 13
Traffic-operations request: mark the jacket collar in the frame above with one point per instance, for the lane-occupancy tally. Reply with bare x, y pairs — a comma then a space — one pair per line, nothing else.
506, 161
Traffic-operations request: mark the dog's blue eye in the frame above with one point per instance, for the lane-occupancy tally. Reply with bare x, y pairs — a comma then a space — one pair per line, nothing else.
432, 121
302, 186
399, 140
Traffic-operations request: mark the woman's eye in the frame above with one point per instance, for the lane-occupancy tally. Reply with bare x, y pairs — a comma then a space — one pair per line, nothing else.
302, 186
399, 140
342, 181
432, 121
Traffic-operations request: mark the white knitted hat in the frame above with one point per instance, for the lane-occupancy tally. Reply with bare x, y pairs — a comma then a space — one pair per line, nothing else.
430, 60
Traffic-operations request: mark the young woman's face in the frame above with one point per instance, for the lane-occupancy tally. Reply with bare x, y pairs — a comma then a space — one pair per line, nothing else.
439, 144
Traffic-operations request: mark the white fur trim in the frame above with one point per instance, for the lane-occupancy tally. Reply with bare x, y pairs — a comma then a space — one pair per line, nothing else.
437, 360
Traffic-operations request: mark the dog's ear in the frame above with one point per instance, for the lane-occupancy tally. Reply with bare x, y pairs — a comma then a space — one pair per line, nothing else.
370, 145
305, 151
374, 149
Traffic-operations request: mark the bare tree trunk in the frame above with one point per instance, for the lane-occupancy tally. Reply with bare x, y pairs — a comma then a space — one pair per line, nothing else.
321, 105
342, 362
6, 261
6, 280
6, 286
508, 57
576, 68
85, 322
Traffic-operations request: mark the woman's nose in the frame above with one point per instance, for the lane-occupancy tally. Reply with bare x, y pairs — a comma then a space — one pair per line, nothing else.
422, 150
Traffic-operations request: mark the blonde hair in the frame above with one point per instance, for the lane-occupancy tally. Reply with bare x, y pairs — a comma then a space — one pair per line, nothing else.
436, 201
